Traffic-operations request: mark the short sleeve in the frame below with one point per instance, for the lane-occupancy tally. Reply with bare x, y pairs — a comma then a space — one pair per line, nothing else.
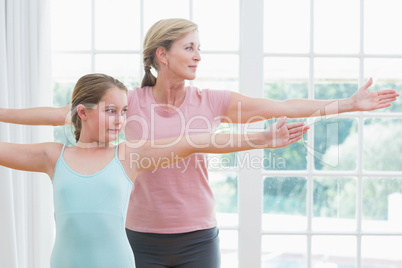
219, 101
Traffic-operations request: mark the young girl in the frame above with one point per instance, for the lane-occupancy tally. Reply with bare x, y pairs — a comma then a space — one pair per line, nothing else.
92, 180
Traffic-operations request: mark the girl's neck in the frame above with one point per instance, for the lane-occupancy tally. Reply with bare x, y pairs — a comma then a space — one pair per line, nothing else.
91, 145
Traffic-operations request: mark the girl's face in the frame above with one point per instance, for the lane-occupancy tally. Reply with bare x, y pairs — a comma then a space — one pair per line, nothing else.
107, 118
184, 56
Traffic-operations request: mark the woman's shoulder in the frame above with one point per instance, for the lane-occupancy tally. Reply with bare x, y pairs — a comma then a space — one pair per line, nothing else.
208, 92
138, 93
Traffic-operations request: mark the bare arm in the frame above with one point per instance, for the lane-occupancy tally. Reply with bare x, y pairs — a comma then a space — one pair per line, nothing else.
37, 116
40, 157
243, 109
141, 155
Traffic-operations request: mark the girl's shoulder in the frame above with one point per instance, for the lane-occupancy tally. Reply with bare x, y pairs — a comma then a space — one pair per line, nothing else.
54, 148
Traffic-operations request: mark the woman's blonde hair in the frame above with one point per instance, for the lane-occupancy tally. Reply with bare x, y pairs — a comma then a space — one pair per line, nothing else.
162, 34
89, 91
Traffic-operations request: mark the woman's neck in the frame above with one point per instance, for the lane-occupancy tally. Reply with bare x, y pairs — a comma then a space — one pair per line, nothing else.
172, 94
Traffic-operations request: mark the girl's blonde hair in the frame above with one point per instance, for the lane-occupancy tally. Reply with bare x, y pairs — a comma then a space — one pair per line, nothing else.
89, 91
162, 34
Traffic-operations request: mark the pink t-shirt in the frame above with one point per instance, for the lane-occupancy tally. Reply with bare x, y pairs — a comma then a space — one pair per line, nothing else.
177, 198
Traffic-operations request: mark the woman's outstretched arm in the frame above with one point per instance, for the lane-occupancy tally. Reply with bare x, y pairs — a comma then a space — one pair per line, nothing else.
141, 155
37, 116
244, 109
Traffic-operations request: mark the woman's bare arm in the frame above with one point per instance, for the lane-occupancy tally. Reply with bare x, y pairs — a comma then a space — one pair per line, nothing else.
142, 155
244, 109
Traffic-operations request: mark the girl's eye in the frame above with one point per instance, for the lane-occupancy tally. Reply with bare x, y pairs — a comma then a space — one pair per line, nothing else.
110, 111
124, 111
189, 48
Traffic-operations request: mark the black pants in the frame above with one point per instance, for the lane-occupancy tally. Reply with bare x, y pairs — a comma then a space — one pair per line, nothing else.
198, 249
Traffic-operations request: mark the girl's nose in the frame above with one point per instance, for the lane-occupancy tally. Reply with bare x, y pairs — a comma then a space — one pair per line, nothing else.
121, 118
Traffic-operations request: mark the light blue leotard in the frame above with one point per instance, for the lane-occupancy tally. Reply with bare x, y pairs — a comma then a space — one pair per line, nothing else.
90, 215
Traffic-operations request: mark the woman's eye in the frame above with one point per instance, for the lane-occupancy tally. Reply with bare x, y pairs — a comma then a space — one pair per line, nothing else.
124, 111
110, 111
189, 48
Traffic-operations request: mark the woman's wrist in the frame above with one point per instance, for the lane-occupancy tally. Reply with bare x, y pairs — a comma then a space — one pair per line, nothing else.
347, 105
259, 140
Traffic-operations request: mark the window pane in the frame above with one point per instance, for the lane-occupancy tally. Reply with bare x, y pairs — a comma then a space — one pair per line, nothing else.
386, 74
71, 24
335, 77
124, 67
336, 26
224, 187
284, 204
382, 146
286, 78
286, 29
382, 203
335, 143
70, 67
284, 251
333, 251
210, 73
155, 10
382, 20
229, 248
334, 205
117, 24
381, 251
217, 33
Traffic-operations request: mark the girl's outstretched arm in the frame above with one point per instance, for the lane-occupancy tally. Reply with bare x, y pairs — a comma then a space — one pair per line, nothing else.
40, 157
141, 155
37, 116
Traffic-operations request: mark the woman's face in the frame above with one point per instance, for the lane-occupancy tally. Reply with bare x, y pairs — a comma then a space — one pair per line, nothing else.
184, 56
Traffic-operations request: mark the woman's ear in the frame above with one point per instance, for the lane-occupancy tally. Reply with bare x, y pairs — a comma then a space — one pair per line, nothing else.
81, 111
162, 55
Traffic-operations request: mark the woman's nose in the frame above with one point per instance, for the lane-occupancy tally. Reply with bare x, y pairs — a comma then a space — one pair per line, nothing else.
197, 56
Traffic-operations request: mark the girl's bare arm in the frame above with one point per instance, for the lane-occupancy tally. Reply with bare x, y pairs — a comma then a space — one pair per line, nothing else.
37, 116
39, 157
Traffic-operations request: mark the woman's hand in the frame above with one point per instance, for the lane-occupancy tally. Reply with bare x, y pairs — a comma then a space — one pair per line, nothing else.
280, 134
364, 100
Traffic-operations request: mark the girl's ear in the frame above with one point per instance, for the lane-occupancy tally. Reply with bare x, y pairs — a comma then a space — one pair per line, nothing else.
81, 111
161, 55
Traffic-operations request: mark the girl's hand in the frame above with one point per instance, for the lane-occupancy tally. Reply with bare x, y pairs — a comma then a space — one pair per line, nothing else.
281, 134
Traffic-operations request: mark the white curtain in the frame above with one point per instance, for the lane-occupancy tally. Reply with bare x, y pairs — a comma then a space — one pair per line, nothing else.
26, 205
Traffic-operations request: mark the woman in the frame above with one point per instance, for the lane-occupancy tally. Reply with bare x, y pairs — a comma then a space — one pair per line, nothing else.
92, 180
171, 220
